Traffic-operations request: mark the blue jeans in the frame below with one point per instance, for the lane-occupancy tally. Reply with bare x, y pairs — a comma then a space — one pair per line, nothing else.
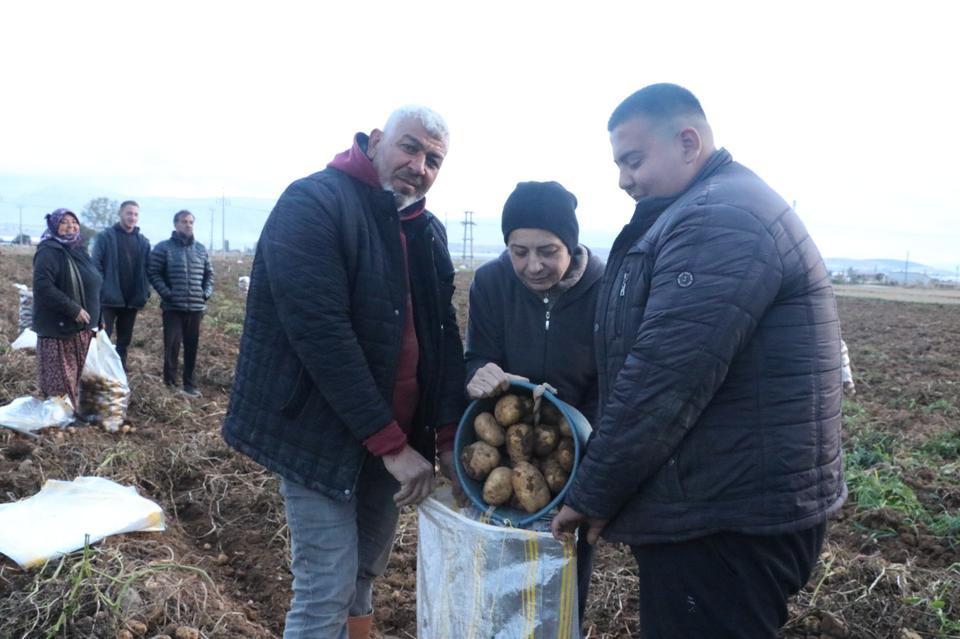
338, 549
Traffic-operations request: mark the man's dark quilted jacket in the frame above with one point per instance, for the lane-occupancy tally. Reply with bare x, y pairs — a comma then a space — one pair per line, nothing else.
105, 256
321, 340
181, 273
718, 350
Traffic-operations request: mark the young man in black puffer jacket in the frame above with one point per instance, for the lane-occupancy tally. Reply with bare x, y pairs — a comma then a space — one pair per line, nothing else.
180, 271
716, 455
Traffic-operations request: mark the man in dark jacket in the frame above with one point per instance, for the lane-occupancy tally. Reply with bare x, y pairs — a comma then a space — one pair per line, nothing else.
121, 254
180, 271
349, 361
716, 456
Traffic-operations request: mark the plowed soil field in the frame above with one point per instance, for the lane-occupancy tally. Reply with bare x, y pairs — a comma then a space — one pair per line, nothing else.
889, 569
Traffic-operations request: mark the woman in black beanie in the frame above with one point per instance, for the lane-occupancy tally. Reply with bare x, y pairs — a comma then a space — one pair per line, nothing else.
531, 312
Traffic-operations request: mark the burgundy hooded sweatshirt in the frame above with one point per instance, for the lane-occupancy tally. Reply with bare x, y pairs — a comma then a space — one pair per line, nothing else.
406, 390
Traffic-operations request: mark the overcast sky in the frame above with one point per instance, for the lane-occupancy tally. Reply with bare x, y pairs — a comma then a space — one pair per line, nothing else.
849, 108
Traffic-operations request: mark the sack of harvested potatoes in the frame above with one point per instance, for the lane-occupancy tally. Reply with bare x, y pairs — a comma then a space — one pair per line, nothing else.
104, 392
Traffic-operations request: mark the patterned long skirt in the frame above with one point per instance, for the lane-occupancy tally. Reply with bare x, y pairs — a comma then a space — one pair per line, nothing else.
60, 363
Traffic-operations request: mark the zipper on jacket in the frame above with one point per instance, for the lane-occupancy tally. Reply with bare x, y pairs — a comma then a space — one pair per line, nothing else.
621, 299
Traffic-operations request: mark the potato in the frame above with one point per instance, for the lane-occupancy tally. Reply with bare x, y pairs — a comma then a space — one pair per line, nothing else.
545, 439
488, 430
527, 404
555, 475
498, 489
478, 459
530, 487
564, 453
549, 413
519, 442
509, 410
564, 427
536, 462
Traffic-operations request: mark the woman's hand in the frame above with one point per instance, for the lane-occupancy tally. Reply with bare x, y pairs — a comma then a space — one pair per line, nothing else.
490, 380
83, 317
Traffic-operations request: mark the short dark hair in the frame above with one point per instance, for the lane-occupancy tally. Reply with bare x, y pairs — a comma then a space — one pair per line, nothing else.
127, 203
181, 213
659, 102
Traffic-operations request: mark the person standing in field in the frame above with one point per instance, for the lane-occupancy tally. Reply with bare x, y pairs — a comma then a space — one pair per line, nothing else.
531, 314
351, 367
66, 305
179, 270
120, 254
716, 455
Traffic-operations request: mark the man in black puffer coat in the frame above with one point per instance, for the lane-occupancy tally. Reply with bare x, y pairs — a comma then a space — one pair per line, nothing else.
716, 456
180, 271
349, 362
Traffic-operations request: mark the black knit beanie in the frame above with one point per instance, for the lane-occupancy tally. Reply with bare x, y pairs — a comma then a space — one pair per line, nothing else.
542, 205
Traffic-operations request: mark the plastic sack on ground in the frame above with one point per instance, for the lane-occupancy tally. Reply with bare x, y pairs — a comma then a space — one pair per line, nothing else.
104, 392
65, 514
482, 581
27, 339
846, 374
28, 414
25, 308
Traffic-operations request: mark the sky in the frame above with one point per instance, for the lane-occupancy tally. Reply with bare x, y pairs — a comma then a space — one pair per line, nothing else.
847, 108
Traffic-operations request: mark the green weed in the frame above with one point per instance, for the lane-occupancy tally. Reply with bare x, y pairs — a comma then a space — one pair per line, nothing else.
854, 414
946, 524
867, 449
945, 444
882, 488
938, 605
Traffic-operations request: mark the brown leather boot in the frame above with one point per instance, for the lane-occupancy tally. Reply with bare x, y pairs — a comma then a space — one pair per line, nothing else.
359, 627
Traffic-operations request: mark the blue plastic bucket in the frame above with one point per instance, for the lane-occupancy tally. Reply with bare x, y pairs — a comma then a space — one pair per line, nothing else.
505, 514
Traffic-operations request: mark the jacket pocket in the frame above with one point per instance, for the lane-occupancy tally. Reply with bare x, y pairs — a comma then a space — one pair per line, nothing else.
666, 485
298, 398
632, 289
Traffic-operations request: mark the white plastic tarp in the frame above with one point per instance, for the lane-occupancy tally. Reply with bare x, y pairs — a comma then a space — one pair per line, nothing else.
28, 414
482, 581
27, 339
64, 514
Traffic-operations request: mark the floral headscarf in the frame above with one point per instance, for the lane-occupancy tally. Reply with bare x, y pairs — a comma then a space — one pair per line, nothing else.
53, 226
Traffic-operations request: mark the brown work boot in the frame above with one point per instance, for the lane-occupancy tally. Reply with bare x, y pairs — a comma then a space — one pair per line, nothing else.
359, 627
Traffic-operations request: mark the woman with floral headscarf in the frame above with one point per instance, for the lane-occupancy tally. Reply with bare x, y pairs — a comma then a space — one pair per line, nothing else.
66, 305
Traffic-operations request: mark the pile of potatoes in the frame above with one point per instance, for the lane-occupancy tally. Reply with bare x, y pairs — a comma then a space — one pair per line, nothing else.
104, 401
519, 464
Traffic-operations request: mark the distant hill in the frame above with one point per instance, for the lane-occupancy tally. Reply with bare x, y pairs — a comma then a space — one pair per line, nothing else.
883, 265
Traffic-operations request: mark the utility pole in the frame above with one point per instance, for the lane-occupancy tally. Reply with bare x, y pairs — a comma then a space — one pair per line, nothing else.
906, 269
213, 217
223, 221
20, 206
468, 225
